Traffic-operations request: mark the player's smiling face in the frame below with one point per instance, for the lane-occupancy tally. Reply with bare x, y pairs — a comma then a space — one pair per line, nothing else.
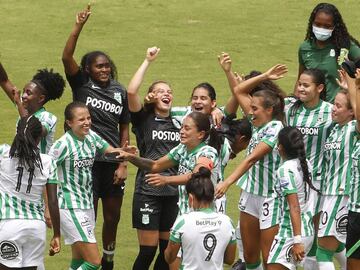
32, 98
341, 113
100, 70
189, 134
308, 91
259, 115
164, 97
201, 101
80, 123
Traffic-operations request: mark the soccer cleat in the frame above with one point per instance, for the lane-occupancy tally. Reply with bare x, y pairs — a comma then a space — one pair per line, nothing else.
239, 265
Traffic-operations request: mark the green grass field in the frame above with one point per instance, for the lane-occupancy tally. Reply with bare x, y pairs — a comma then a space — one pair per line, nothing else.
191, 34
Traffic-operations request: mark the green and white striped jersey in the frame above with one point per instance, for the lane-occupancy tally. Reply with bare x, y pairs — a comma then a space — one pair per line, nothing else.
186, 162
21, 188
204, 236
48, 121
74, 159
338, 149
179, 113
315, 125
354, 198
224, 157
259, 179
289, 180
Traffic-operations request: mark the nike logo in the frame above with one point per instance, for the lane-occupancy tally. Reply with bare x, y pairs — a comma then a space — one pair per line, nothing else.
159, 119
93, 86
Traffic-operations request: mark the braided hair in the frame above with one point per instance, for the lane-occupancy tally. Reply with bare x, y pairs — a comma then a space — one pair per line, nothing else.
292, 142
89, 58
340, 36
50, 83
201, 186
25, 143
318, 78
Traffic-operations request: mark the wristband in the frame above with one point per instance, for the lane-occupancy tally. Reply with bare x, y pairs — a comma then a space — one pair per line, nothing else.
298, 239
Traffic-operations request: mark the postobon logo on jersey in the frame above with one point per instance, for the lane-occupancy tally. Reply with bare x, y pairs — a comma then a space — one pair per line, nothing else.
103, 105
166, 135
8, 250
332, 146
309, 130
83, 163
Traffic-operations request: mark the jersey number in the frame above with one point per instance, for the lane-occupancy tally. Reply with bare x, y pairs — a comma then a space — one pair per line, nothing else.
209, 244
31, 176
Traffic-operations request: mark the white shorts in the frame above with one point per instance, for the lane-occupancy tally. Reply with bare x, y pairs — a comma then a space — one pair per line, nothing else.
264, 209
334, 217
280, 251
220, 204
77, 225
22, 242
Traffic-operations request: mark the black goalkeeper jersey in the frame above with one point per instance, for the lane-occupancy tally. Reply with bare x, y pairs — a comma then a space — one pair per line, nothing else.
155, 137
108, 106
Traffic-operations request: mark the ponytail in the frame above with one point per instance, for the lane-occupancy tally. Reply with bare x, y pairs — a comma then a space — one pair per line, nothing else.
200, 185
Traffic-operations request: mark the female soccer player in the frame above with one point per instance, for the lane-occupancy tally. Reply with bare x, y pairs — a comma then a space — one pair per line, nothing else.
154, 208
312, 116
206, 237
74, 155
353, 229
258, 210
93, 82
338, 149
24, 172
293, 186
326, 43
45, 85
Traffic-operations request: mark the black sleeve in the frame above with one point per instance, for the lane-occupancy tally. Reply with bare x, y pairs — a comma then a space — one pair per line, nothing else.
138, 117
125, 114
76, 81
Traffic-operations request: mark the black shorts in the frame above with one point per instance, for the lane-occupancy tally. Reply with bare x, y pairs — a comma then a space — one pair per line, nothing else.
103, 178
157, 213
353, 233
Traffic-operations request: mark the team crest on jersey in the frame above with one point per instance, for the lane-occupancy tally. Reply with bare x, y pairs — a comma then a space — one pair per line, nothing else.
8, 250
118, 97
145, 219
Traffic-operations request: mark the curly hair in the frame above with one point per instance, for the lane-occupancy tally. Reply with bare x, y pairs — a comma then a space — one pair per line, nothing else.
340, 36
50, 83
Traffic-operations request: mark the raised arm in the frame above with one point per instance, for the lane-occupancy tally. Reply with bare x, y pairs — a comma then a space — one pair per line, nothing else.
70, 65
6, 84
354, 92
243, 89
136, 81
233, 79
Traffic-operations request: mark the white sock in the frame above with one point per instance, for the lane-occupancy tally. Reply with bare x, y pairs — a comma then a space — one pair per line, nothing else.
326, 266
341, 258
310, 263
239, 242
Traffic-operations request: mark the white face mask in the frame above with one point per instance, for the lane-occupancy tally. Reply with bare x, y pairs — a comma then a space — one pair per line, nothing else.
322, 34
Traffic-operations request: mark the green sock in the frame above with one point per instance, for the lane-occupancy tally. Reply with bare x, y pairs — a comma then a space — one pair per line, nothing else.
88, 266
75, 263
324, 255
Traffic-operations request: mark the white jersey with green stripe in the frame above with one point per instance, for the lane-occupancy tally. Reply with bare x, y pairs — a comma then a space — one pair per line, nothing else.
354, 198
179, 113
187, 161
338, 149
74, 159
204, 235
259, 179
315, 124
48, 121
289, 180
21, 188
